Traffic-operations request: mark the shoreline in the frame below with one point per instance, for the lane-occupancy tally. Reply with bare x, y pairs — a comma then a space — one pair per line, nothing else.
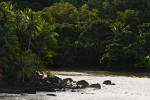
140, 70
53, 85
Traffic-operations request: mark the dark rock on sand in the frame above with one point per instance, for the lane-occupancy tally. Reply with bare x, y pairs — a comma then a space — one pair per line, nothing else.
53, 79
67, 81
73, 90
83, 84
113, 84
98, 86
108, 82
51, 94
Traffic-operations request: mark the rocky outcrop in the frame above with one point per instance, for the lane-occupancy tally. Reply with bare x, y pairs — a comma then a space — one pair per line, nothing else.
52, 84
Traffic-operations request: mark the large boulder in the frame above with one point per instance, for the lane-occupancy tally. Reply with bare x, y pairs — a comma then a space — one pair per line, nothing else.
53, 82
83, 84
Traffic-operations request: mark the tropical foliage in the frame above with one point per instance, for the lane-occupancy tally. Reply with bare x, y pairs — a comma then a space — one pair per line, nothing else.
100, 34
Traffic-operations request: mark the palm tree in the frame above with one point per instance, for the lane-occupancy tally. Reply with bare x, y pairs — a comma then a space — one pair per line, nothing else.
33, 26
45, 42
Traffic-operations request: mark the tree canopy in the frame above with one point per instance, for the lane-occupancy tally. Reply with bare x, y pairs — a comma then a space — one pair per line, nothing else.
86, 34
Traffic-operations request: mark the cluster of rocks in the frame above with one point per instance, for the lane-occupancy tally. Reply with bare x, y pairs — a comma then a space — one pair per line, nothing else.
57, 84
53, 84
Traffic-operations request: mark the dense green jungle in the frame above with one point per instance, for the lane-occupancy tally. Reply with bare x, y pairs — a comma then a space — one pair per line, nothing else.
36, 35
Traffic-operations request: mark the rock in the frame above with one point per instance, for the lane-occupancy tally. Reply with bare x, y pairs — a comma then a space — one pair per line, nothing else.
83, 84
67, 81
113, 84
51, 94
107, 82
73, 90
39, 74
54, 79
76, 87
98, 86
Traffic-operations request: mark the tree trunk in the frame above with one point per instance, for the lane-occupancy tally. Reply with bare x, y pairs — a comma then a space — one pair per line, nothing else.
29, 42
